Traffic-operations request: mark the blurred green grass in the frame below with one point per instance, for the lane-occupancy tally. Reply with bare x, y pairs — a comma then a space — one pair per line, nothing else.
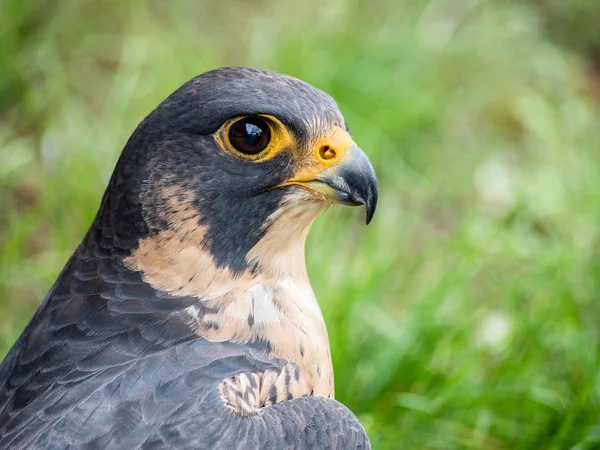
467, 315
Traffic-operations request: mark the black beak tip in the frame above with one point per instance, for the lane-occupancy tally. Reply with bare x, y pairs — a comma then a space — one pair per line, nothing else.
371, 206
366, 198
370, 214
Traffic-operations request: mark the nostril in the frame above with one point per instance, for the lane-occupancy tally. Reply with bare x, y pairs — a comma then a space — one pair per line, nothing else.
326, 152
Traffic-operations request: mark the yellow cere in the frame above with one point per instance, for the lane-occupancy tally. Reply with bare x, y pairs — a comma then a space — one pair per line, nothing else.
326, 150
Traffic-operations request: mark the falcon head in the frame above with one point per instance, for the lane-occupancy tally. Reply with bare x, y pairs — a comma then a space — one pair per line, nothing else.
244, 158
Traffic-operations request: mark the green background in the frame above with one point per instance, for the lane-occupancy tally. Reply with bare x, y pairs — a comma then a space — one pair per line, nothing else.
466, 316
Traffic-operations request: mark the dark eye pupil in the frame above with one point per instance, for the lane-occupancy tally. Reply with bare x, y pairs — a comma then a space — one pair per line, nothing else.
250, 136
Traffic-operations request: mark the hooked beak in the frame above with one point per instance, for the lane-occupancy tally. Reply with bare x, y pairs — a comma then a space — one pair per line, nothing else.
351, 181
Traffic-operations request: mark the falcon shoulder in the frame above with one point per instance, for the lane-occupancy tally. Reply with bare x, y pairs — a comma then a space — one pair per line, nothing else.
78, 378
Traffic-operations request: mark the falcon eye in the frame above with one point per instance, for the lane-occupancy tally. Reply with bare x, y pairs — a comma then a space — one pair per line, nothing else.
250, 135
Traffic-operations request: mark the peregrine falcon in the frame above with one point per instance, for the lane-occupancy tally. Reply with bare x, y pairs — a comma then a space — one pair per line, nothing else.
185, 319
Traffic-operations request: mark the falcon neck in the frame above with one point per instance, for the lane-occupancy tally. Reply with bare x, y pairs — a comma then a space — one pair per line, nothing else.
270, 303
180, 260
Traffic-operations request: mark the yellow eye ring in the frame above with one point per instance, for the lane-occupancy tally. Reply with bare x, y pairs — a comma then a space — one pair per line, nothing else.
255, 137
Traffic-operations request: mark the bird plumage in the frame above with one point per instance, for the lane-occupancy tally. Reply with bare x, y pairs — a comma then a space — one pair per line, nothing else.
185, 318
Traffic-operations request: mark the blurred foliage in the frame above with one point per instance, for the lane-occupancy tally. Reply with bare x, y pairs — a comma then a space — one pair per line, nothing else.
573, 23
467, 315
